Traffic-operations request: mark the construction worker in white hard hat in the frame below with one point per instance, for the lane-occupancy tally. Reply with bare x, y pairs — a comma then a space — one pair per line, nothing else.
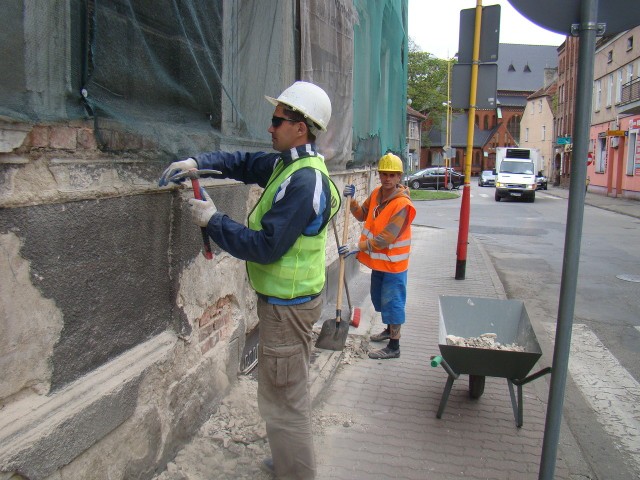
384, 247
284, 247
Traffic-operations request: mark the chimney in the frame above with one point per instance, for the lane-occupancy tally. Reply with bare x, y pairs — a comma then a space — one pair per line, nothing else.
550, 76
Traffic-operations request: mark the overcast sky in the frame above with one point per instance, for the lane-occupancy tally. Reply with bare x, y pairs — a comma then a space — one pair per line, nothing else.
434, 26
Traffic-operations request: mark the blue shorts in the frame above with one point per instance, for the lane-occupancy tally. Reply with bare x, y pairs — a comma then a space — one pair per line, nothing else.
389, 295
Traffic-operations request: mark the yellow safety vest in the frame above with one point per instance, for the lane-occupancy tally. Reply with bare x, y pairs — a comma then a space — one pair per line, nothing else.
301, 270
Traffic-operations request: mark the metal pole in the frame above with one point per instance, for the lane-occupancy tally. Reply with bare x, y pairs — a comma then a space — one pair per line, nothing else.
463, 231
587, 34
447, 141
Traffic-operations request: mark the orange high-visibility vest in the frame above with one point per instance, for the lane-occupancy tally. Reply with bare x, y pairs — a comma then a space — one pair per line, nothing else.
394, 258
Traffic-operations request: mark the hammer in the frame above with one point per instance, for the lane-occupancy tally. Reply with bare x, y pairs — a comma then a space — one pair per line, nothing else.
194, 174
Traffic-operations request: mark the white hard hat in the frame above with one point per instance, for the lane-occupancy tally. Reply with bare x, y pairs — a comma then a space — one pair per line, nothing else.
308, 99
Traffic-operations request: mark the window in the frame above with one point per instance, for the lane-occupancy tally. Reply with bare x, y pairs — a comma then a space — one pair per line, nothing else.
598, 96
619, 86
544, 133
629, 43
413, 130
486, 122
609, 89
601, 155
610, 56
629, 72
526, 134
632, 148
513, 127
540, 106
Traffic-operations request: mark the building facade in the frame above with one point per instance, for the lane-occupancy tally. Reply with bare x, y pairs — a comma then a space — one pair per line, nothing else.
414, 138
613, 163
566, 104
119, 338
536, 128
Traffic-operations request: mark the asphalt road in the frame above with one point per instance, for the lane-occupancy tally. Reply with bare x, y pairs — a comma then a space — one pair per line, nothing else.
526, 244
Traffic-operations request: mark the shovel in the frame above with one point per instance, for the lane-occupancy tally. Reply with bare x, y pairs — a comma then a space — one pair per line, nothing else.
354, 318
333, 335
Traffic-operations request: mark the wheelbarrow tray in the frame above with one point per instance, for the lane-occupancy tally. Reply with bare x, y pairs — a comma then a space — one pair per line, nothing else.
468, 317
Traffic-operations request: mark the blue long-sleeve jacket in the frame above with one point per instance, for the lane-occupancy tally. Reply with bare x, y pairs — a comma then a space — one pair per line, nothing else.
300, 207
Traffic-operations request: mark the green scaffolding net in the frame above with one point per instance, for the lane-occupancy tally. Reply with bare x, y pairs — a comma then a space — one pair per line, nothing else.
184, 76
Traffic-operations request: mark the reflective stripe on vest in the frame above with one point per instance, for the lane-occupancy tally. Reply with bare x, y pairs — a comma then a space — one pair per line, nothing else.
301, 270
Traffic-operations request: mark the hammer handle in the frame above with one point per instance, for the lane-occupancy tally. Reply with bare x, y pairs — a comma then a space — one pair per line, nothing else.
208, 254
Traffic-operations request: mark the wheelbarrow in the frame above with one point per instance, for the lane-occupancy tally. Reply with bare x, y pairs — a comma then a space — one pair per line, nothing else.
471, 317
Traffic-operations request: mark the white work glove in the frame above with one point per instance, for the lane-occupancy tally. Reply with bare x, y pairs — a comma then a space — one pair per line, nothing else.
202, 210
345, 250
349, 191
176, 167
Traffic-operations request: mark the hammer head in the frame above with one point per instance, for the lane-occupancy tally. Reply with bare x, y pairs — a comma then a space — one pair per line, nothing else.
192, 173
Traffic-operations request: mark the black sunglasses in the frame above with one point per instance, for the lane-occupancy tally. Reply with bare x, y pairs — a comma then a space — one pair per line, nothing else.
277, 121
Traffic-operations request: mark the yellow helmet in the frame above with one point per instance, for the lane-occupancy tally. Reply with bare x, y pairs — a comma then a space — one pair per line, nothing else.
390, 163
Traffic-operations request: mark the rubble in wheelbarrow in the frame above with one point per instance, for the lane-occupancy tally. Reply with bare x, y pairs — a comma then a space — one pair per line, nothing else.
485, 340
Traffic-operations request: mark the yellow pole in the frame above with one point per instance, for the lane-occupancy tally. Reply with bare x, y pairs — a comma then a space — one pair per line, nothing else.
463, 232
448, 162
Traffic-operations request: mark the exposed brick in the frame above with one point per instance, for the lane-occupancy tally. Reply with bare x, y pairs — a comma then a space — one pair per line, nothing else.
205, 331
206, 345
132, 142
87, 139
204, 319
38, 137
63, 137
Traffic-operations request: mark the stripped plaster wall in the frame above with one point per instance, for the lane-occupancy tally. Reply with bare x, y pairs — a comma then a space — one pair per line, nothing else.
117, 337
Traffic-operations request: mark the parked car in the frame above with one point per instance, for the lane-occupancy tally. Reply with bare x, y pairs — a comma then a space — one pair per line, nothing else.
434, 177
487, 177
541, 181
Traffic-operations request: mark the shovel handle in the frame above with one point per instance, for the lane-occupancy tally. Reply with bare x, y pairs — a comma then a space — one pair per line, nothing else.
208, 254
345, 237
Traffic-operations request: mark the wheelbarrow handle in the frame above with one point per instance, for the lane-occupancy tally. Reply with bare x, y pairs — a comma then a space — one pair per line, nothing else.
438, 360
208, 254
532, 377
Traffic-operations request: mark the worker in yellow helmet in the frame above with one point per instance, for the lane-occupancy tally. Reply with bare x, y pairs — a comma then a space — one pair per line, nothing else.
384, 247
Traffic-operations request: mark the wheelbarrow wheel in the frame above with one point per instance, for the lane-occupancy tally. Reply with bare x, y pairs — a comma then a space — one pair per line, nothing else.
476, 386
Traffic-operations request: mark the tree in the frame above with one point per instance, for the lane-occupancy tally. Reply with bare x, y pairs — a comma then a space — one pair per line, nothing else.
427, 83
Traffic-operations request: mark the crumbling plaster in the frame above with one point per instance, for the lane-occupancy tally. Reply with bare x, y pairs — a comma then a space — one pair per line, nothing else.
29, 325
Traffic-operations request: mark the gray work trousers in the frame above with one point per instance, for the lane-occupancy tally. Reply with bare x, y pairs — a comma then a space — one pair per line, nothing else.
283, 385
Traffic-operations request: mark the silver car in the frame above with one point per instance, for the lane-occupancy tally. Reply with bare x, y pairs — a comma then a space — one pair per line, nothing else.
486, 177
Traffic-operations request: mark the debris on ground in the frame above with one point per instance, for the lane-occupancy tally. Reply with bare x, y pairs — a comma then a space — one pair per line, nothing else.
354, 349
230, 445
233, 442
486, 340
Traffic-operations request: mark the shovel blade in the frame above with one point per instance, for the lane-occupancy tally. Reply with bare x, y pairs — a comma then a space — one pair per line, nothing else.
333, 335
